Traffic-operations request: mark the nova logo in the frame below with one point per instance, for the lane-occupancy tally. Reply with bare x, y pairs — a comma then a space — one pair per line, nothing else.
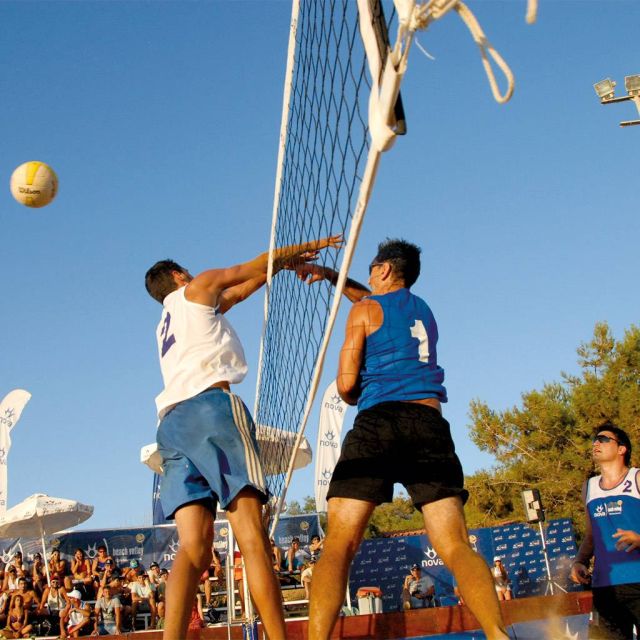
335, 404
91, 551
7, 419
432, 558
174, 545
324, 478
599, 512
328, 441
5, 557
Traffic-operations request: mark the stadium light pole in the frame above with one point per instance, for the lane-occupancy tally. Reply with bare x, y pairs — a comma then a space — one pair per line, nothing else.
605, 90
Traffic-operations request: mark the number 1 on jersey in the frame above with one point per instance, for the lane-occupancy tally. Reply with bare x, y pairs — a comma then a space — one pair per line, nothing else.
418, 331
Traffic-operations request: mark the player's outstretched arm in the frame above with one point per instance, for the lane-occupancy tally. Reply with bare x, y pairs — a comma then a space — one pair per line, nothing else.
207, 287
310, 273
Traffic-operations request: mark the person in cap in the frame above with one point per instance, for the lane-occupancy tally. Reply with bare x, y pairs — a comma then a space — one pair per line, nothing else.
206, 435
612, 535
501, 579
54, 600
75, 616
417, 589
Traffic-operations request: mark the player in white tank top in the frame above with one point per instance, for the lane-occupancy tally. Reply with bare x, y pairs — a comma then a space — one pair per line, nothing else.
199, 350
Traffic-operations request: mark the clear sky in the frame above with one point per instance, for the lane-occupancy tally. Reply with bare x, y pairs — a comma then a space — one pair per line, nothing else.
162, 121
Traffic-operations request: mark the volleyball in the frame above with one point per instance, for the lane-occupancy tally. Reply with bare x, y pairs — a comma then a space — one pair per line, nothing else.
34, 184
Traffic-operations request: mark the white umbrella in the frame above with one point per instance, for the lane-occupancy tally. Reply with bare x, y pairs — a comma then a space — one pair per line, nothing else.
39, 515
276, 446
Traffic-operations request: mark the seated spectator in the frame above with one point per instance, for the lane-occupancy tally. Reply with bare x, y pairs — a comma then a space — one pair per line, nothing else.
17, 620
418, 590
276, 555
501, 579
57, 565
54, 600
99, 564
154, 575
315, 547
305, 577
161, 589
196, 620
108, 614
28, 595
142, 599
130, 573
296, 556
10, 583
161, 612
38, 574
215, 572
19, 564
80, 578
120, 591
5, 597
75, 616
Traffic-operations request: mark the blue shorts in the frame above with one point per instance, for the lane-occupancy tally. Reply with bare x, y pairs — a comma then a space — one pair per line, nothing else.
209, 452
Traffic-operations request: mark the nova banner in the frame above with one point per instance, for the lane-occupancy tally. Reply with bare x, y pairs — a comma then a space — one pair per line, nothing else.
10, 411
328, 447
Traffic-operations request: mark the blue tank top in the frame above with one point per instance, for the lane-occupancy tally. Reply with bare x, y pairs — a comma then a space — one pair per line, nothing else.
611, 509
400, 360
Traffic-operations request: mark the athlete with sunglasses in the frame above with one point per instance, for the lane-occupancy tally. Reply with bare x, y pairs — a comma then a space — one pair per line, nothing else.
612, 505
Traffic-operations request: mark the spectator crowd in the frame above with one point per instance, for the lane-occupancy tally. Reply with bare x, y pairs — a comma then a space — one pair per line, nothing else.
98, 596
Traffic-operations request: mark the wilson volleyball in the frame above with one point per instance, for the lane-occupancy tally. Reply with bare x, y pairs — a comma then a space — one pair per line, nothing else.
34, 184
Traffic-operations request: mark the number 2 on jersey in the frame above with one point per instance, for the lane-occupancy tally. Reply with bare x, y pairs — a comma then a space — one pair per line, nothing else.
418, 331
167, 340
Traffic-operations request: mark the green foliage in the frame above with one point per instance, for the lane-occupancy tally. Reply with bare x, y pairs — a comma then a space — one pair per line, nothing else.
398, 515
546, 442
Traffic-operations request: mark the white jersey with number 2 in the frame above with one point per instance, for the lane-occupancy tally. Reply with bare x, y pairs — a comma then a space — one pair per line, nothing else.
197, 348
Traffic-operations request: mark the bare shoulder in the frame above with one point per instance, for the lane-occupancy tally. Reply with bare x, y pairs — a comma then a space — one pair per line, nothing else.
367, 313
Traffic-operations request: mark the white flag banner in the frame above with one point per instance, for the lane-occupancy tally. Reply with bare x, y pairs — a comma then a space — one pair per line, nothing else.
332, 414
10, 411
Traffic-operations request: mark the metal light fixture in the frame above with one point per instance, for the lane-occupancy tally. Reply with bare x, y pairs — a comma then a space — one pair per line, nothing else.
632, 85
605, 88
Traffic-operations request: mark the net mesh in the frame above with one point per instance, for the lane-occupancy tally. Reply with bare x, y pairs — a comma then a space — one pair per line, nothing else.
325, 154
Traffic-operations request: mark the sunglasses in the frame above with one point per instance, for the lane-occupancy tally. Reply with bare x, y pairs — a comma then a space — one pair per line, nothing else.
374, 264
605, 439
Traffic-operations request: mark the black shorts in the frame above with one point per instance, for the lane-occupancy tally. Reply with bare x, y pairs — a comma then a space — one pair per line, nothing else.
400, 442
618, 609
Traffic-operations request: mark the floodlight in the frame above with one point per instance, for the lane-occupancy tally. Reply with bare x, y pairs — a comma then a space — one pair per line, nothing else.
632, 85
605, 88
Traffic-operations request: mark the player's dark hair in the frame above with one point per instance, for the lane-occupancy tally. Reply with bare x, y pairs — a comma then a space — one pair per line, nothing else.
159, 281
404, 258
621, 436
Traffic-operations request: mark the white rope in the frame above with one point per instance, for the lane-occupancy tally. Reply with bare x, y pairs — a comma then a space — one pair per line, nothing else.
486, 47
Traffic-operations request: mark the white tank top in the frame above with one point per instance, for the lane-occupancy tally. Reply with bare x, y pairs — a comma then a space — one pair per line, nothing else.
197, 348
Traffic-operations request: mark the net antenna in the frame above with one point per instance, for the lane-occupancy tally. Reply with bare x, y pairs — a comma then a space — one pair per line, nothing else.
341, 110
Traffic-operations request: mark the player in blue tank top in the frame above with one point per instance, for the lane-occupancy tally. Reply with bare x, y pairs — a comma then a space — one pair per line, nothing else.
612, 538
389, 367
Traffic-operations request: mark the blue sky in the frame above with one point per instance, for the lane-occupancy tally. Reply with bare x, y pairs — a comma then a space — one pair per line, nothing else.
162, 120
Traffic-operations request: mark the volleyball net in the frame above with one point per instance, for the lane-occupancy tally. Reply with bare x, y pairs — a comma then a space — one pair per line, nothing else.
341, 110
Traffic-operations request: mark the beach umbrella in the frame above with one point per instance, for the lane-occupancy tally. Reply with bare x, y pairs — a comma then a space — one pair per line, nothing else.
39, 515
276, 446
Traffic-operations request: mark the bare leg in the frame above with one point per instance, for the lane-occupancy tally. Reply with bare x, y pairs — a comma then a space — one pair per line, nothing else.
195, 531
447, 531
347, 520
245, 517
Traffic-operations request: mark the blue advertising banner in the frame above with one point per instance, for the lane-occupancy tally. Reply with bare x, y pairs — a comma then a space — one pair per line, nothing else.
384, 562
